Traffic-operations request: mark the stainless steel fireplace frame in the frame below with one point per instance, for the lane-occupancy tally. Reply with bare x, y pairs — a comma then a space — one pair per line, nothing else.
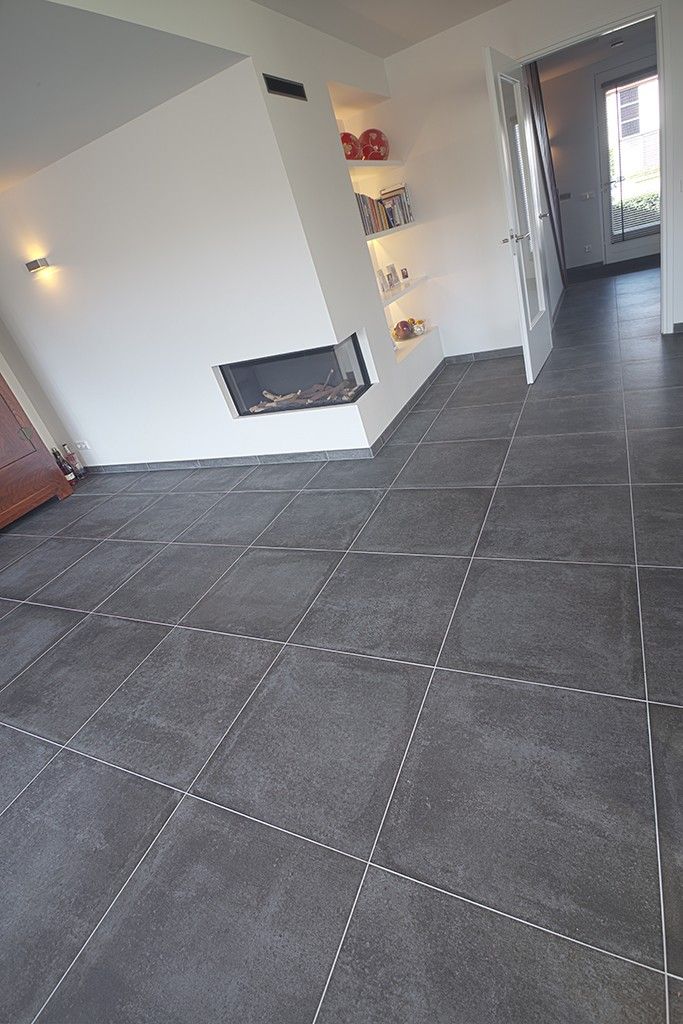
226, 376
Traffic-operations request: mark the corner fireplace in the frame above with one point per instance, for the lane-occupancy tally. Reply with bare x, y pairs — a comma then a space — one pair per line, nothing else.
312, 379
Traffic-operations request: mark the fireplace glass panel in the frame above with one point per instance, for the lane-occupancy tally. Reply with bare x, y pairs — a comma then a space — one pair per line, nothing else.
314, 378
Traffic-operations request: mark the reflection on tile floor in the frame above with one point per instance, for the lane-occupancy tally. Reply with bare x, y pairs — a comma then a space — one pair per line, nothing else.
363, 741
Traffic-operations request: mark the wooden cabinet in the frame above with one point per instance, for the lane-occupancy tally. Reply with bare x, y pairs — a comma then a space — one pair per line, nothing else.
29, 474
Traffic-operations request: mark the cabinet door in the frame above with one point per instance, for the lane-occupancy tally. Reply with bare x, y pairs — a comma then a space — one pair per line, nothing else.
15, 442
29, 474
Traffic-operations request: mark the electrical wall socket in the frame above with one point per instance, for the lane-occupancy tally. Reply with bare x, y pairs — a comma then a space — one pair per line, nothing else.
82, 446
588, 248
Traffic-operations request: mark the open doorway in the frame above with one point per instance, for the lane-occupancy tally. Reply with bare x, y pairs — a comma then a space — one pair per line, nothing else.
601, 104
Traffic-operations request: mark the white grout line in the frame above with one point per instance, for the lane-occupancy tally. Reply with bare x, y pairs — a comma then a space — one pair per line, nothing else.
63, 745
412, 733
648, 717
204, 765
518, 920
343, 853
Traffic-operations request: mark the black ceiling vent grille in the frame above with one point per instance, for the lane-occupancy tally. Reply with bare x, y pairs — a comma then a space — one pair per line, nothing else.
283, 87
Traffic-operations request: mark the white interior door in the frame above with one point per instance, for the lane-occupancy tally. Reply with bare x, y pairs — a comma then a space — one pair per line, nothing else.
523, 237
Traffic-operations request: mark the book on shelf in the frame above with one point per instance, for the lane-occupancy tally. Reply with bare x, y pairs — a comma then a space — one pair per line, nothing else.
391, 210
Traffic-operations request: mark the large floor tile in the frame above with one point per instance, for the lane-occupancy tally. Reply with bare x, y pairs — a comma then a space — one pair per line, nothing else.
109, 516
171, 583
34, 570
497, 391
56, 695
452, 373
632, 308
567, 459
665, 373
223, 479
435, 396
656, 456
574, 337
667, 750
321, 519
265, 594
490, 369
474, 422
169, 715
26, 632
87, 583
578, 415
580, 524
280, 476
413, 954
506, 798
661, 593
22, 757
573, 625
54, 516
377, 472
659, 407
428, 522
226, 920
454, 464
659, 524
108, 483
413, 427
582, 355
317, 749
159, 480
67, 846
13, 547
586, 380
393, 606
640, 327
238, 518
168, 517
659, 347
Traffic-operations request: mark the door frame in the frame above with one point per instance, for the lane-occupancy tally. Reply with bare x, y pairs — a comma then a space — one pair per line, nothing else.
664, 57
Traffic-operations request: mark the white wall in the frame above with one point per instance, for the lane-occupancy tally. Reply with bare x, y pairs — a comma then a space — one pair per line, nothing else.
290, 265
570, 106
177, 246
439, 118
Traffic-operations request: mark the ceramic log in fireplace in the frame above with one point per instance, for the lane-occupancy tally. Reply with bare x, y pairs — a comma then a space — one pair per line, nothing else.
313, 378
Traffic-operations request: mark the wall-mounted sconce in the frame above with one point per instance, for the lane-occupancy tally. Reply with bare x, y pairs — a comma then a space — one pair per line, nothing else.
33, 266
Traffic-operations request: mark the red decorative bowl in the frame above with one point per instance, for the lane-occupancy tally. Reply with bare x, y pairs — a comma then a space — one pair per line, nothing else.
374, 144
351, 146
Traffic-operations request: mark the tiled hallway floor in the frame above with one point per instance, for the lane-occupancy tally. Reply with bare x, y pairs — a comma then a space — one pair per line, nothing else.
364, 742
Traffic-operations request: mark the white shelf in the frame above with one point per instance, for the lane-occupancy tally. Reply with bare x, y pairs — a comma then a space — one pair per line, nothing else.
372, 165
389, 231
406, 347
396, 294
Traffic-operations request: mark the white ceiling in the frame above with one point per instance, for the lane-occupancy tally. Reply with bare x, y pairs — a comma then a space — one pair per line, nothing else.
382, 27
69, 76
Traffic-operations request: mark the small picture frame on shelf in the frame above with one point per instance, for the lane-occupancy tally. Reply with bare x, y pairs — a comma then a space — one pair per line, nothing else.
392, 275
382, 282
404, 274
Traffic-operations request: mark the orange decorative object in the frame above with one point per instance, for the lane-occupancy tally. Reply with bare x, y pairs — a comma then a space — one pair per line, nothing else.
374, 144
351, 146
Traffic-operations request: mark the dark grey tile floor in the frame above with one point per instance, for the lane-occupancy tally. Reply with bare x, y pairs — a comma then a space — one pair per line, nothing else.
381, 741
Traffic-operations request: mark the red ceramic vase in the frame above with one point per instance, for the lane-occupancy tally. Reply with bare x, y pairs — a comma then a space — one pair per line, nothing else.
374, 144
351, 146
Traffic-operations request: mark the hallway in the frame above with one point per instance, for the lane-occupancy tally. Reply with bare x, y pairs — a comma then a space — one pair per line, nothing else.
364, 742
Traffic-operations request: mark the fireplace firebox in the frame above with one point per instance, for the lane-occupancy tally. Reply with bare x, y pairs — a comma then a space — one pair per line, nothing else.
313, 378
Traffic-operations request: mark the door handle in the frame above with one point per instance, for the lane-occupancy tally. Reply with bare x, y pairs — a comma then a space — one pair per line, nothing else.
542, 215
